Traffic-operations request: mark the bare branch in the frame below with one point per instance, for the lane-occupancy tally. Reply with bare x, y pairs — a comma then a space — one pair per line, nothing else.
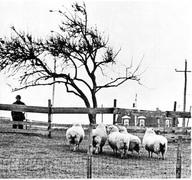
117, 82
78, 56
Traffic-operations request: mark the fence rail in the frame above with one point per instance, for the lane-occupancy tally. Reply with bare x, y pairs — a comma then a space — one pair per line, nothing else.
55, 110
81, 110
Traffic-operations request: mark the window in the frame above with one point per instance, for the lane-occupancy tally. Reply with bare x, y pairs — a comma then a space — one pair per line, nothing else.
167, 123
142, 122
126, 122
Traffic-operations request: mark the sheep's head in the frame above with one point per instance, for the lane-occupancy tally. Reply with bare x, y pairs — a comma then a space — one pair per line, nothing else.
102, 126
112, 128
122, 129
150, 131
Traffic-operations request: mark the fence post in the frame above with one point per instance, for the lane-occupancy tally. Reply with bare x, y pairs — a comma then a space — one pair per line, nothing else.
178, 165
114, 106
89, 159
174, 119
49, 118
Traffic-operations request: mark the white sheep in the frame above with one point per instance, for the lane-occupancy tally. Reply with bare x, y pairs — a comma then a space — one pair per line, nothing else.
154, 143
99, 137
75, 135
118, 141
135, 142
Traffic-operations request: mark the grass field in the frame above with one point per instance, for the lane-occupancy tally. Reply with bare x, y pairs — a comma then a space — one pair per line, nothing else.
26, 155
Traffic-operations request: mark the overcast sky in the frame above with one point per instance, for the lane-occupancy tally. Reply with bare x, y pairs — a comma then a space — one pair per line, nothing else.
161, 31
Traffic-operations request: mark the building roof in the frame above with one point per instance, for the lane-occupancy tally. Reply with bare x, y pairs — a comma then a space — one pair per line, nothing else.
141, 117
126, 117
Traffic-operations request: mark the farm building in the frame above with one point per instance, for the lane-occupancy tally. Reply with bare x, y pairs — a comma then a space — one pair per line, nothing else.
149, 119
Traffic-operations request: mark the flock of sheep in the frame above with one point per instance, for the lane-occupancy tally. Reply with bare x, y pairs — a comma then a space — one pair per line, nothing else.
118, 139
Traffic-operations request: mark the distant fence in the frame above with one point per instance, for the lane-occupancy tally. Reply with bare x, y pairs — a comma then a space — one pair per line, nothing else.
75, 166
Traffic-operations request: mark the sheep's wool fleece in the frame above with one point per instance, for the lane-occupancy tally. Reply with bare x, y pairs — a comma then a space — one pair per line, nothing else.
100, 130
75, 129
100, 135
117, 139
151, 138
133, 138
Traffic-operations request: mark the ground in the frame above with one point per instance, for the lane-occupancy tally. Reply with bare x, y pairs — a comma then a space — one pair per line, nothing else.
34, 155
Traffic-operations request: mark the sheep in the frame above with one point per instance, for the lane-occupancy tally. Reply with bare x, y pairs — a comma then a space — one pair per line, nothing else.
135, 142
99, 137
154, 143
118, 141
75, 135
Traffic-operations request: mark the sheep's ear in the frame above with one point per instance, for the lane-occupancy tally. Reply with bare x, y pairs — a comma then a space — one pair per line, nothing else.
107, 127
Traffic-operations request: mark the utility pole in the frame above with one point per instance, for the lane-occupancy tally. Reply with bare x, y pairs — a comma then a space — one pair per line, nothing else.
53, 91
135, 106
185, 88
114, 106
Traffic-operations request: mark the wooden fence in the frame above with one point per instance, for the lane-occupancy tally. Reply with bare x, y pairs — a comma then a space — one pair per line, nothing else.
49, 110
79, 110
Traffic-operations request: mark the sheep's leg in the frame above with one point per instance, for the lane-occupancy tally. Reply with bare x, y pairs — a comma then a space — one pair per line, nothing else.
139, 154
149, 154
97, 149
70, 147
76, 147
94, 150
163, 155
125, 152
115, 151
101, 149
121, 152
132, 153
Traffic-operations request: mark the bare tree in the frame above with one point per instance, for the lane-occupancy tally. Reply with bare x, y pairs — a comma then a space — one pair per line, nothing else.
77, 56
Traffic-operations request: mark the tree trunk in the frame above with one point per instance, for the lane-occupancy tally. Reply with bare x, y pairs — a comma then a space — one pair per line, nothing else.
92, 118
